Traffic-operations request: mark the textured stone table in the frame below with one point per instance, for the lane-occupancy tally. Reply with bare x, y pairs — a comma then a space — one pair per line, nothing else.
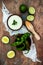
13, 6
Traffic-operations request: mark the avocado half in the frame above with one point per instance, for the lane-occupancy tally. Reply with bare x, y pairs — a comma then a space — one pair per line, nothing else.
14, 22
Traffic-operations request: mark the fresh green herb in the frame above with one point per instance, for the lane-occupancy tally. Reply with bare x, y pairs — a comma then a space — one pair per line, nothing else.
21, 48
27, 45
16, 43
21, 39
18, 39
14, 22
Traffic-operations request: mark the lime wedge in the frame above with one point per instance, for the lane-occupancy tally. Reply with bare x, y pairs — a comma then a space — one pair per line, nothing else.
5, 39
11, 54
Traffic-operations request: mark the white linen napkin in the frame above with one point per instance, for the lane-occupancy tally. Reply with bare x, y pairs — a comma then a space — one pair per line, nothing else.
32, 54
6, 14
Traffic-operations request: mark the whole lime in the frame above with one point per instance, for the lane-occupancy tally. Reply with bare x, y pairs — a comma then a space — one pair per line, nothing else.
23, 8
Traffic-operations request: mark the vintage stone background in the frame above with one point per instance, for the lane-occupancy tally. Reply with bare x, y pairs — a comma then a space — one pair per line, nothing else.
13, 7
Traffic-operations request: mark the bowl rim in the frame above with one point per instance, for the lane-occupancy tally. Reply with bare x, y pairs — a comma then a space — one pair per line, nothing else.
13, 29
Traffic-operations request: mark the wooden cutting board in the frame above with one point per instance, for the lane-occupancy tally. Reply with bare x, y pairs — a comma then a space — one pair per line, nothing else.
13, 7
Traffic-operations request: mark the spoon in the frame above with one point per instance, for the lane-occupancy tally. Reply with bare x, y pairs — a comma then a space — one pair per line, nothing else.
31, 29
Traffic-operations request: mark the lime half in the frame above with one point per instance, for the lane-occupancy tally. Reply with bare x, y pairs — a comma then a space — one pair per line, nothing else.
11, 54
31, 10
5, 39
30, 17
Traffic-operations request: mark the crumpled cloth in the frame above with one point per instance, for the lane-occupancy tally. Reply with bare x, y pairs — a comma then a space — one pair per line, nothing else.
32, 54
6, 14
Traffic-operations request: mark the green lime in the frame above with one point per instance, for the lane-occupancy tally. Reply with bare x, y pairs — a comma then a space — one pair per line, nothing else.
30, 17
31, 10
23, 8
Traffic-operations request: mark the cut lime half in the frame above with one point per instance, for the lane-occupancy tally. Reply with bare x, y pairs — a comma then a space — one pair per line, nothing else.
11, 54
31, 10
5, 39
30, 17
